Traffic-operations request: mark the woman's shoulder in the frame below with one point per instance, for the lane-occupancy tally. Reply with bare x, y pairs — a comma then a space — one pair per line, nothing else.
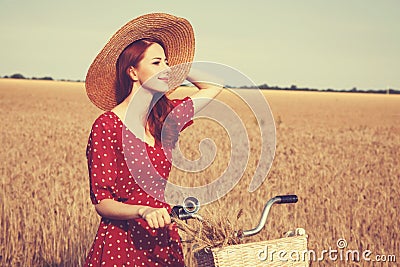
106, 120
182, 101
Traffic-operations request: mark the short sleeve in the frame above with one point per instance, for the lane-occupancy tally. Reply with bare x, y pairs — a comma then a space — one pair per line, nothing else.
183, 112
101, 159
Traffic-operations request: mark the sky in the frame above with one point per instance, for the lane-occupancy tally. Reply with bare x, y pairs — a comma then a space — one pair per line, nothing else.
310, 43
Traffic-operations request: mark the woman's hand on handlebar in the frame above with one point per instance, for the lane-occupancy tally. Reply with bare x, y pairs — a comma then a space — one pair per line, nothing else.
155, 217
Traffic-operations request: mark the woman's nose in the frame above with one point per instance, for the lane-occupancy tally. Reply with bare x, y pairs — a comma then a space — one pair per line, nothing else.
167, 69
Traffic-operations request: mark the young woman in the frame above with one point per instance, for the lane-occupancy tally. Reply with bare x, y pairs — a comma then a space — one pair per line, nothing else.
130, 144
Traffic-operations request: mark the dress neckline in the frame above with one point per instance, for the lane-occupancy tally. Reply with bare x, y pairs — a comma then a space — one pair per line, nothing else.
134, 135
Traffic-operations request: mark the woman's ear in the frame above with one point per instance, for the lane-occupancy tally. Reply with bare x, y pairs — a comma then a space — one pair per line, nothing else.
131, 71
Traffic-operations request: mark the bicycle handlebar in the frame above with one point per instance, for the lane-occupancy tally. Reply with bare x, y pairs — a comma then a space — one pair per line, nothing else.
285, 199
188, 210
191, 205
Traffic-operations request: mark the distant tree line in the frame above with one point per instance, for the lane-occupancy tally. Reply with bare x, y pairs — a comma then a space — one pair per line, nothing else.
46, 78
295, 88
20, 76
262, 86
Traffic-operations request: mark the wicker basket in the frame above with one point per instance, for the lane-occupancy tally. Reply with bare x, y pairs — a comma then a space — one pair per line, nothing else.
264, 253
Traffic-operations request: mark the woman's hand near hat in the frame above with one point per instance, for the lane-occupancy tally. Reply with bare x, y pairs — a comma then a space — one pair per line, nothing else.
209, 87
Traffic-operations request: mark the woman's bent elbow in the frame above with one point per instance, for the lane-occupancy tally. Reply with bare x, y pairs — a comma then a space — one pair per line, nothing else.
102, 207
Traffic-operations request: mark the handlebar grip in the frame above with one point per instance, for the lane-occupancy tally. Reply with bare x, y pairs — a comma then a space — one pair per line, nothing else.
287, 199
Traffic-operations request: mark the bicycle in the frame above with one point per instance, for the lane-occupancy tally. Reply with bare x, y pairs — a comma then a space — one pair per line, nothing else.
290, 250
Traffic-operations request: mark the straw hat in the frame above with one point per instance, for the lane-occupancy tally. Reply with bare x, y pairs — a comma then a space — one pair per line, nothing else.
176, 34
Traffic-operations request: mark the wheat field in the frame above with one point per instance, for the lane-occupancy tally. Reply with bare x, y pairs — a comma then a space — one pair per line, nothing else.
338, 152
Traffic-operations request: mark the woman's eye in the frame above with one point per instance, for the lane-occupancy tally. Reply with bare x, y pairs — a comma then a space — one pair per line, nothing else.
156, 63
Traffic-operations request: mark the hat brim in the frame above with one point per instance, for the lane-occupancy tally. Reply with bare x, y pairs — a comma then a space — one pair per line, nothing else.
177, 36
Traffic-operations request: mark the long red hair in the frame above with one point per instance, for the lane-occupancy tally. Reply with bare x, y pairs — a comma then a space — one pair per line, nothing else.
160, 106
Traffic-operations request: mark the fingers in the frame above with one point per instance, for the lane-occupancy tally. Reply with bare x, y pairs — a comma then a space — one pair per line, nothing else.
156, 218
166, 217
171, 226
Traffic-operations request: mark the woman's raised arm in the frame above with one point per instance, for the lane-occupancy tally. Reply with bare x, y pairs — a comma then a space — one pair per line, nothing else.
209, 87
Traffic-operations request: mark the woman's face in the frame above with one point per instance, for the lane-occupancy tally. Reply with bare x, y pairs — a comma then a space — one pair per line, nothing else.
152, 71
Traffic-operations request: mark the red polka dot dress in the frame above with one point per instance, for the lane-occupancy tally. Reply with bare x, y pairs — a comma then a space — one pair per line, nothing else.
124, 168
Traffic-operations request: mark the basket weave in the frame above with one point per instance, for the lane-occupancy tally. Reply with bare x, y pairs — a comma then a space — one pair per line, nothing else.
255, 254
